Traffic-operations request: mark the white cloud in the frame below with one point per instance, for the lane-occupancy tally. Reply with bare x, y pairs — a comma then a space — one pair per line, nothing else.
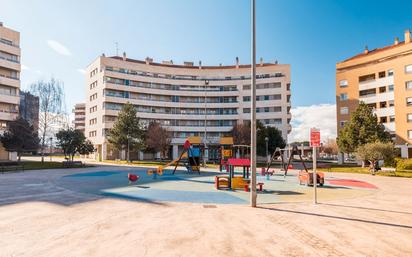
24, 67
82, 71
322, 116
58, 47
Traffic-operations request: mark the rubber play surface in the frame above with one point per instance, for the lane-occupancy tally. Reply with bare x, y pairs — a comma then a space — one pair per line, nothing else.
184, 187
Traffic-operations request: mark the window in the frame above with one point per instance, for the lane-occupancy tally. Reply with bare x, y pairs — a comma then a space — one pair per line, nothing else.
266, 109
344, 110
246, 110
408, 84
390, 73
343, 96
93, 109
382, 89
246, 99
410, 134
93, 121
246, 87
391, 103
408, 68
342, 123
382, 105
390, 88
409, 101
383, 120
382, 74
93, 133
94, 96
343, 83
409, 117
392, 118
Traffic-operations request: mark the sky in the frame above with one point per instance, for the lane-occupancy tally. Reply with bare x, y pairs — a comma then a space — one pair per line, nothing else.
60, 38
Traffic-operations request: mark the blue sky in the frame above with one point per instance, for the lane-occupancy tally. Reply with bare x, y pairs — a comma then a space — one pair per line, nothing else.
60, 38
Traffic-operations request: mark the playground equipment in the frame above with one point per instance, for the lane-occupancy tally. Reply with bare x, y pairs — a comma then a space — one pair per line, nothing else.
236, 182
191, 155
226, 152
132, 177
305, 176
283, 165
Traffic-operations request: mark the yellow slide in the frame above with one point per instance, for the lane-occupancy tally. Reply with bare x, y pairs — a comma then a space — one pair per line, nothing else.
159, 170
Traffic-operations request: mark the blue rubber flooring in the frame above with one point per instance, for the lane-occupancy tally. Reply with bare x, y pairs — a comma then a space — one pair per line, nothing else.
115, 184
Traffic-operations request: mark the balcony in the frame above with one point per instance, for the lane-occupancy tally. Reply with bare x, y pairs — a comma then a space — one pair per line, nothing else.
7, 115
9, 81
9, 64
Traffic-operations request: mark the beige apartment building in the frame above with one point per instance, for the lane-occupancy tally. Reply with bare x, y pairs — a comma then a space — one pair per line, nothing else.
9, 79
381, 78
181, 98
79, 116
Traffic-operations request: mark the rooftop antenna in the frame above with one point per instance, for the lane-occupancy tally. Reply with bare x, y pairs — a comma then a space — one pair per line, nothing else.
117, 48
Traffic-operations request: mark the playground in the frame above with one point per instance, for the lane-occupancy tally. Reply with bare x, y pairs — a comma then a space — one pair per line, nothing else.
195, 188
95, 211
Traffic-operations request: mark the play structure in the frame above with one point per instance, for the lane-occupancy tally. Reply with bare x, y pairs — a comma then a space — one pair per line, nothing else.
305, 176
232, 181
226, 152
284, 166
190, 157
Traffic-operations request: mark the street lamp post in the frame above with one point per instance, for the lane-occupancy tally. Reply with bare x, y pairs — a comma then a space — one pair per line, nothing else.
206, 153
253, 194
267, 148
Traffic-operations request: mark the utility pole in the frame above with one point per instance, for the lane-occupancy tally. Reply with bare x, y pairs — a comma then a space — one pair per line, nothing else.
253, 194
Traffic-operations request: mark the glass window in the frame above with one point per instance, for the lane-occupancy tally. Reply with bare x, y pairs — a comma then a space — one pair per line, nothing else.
382, 74
408, 84
390, 88
392, 118
408, 68
343, 83
391, 103
343, 96
409, 117
410, 134
409, 101
344, 110
342, 123
390, 73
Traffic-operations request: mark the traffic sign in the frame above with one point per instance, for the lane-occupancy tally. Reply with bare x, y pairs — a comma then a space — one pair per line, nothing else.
314, 137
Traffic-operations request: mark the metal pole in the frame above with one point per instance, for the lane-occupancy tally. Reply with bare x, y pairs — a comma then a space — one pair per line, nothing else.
128, 148
267, 149
253, 195
315, 182
205, 157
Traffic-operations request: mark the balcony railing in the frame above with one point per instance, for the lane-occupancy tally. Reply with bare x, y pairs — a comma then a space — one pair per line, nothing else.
8, 42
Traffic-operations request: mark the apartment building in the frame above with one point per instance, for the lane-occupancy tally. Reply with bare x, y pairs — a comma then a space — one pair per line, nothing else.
381, 78
29, 108
79, 116
182, 97
9, 78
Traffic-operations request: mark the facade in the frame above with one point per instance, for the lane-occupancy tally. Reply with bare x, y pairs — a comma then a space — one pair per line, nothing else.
80, 116
177, 96
9, 79
381, 78
29, 108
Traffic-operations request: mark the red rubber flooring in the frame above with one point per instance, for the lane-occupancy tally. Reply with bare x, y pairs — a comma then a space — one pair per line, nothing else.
351, 183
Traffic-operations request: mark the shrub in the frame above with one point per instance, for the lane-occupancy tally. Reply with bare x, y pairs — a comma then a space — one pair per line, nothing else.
403, 164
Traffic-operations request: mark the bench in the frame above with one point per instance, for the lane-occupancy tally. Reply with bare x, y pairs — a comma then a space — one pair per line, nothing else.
260, 187
68, 164
388, 169
11, 166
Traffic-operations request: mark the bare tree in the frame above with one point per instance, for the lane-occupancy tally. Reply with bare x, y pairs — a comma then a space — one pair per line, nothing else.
51, 101
158, 139
331, 147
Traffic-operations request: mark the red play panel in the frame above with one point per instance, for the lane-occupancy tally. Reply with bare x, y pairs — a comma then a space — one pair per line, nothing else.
239, 162
351, 183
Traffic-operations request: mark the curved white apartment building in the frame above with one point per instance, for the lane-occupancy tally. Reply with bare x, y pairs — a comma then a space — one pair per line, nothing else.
174, 95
